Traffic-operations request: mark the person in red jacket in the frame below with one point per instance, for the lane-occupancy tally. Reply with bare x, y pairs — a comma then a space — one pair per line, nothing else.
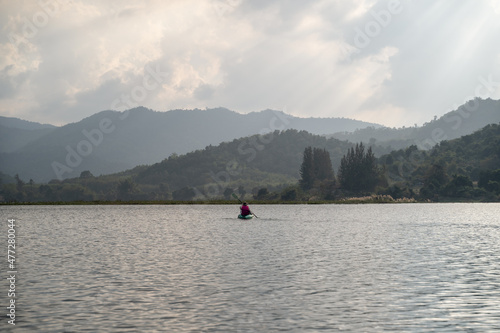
245, 210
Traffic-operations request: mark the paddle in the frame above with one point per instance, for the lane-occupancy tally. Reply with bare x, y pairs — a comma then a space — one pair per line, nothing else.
236, 197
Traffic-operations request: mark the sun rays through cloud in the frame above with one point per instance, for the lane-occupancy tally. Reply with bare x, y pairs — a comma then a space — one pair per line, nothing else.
64, 60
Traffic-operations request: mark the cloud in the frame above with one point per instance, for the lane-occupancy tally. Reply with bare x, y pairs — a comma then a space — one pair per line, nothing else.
204, 92
64, 60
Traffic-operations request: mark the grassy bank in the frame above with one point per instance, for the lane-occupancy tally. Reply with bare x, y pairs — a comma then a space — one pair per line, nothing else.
350, 200
356, 200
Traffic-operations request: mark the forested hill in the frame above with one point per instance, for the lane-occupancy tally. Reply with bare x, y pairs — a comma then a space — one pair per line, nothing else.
272, 161
11, 122
248, 161
468, 156
16, 133
109, 141
466, 119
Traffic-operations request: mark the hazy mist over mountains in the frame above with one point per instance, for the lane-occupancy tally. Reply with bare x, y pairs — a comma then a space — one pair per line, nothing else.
16, 133
464, 120
111, 141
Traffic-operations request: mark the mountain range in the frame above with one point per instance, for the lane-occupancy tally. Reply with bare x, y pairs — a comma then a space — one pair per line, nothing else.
111, 141
16, 133
271, 161
466, 119
267, 167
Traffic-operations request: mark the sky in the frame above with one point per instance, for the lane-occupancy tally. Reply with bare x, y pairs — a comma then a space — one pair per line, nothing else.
396, 63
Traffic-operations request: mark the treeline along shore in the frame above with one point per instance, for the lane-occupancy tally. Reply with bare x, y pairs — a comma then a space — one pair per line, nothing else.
290, 167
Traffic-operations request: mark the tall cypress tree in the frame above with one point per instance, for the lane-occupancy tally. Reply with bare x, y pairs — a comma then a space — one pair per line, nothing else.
323, 169
371, 172
316, 166
358, 171
307, 169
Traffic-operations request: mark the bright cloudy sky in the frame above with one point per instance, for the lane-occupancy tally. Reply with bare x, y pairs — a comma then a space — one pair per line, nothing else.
391, 62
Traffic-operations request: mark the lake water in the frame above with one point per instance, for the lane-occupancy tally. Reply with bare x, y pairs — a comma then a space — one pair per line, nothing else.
298, 268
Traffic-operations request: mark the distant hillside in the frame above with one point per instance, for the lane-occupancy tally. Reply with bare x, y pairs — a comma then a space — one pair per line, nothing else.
12, 139
16, 133
278, 153
468, 156
23, 124
6, 179
261, 163
468, 118
270, 161
110, 141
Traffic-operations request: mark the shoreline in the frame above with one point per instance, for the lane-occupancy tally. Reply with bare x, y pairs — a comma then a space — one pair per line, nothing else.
225, 202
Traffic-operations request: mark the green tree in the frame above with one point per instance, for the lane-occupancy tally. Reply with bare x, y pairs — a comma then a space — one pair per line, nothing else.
86, 174
19, 182
227, 193
316, 166
241, 191
490, 180
75, 193
323, 169
125, 189
436, 176
289, 194
370, 170
327, 189
30, 192
184, 194
358, 170
47, 193
11, 194
434, 180
459, 186
307, 169
262, 193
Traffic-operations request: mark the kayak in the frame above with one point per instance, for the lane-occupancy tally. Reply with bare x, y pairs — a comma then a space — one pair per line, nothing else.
246, 217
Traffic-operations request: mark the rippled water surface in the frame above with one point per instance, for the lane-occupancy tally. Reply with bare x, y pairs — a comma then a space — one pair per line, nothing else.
304, 268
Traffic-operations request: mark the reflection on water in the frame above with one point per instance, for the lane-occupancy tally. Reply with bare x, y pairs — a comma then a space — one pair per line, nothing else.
411, 267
